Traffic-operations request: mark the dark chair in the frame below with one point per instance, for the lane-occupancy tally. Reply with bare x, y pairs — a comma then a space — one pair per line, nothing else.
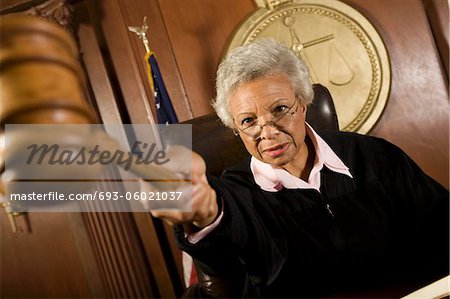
221, 149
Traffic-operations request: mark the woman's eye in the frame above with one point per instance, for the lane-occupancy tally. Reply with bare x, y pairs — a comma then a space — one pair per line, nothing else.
247, 121
280, 109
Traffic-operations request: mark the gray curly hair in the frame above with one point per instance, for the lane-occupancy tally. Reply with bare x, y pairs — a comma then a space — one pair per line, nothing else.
258, 59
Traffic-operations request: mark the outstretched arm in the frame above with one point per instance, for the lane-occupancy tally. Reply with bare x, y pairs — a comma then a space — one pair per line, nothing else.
204, 198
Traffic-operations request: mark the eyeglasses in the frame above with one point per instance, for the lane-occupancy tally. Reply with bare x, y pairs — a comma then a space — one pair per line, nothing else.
250, 127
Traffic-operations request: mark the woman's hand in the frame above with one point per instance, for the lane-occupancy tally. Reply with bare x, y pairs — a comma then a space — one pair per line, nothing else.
204, 199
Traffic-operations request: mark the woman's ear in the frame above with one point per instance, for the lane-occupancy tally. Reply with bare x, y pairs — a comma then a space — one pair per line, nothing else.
304, 109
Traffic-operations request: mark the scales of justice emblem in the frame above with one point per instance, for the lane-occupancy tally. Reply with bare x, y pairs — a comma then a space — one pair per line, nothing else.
341, 47
339, 71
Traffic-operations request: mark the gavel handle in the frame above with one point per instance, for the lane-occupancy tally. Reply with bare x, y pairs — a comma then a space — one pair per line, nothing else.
158, 176
10, 214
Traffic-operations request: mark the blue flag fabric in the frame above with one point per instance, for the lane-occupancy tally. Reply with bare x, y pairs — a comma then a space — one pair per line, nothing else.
164, 109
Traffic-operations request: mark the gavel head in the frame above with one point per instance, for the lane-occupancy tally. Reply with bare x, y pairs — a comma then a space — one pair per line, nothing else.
40, 77
41, 82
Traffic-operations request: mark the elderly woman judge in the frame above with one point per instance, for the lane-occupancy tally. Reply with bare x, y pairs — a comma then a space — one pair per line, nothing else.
310, 213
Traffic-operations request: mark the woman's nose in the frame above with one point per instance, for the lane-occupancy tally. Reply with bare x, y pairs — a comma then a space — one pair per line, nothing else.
268, 131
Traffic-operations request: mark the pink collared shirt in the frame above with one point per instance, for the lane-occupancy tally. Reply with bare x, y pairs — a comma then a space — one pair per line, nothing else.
274, 179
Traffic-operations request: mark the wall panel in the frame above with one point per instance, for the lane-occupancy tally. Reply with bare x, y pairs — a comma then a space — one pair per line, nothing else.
416, 115
52, 260
438, 16
134, 12
123, 54
198, 31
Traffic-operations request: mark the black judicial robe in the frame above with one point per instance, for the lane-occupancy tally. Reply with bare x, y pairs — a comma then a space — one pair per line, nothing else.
386, 227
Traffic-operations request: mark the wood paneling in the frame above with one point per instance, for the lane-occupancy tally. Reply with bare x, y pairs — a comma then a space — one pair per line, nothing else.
54, 260
107, 16
122, 256
115, 76
133, 14
96, 70
17, 5
437, 12
127, 55
165, 276
198, 32
416, 115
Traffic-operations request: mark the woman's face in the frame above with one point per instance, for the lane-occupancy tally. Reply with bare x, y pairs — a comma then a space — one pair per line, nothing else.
280, 143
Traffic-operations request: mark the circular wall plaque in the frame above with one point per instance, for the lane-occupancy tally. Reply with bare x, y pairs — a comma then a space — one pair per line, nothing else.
343, 50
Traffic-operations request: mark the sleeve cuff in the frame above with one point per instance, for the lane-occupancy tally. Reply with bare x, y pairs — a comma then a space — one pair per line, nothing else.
196, 237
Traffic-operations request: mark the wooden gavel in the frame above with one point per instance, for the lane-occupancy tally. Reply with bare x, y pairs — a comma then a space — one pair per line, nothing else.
41, 82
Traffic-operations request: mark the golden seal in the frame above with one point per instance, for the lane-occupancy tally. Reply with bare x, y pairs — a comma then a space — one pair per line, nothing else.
343, 50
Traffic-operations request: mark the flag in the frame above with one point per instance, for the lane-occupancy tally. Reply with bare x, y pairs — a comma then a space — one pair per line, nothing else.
189, 274
164, 109
166, 115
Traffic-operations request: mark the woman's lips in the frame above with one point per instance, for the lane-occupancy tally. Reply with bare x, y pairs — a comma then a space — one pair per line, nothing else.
275, 151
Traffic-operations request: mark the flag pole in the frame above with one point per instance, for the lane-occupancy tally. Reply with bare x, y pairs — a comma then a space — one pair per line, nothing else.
141, 32
164, 109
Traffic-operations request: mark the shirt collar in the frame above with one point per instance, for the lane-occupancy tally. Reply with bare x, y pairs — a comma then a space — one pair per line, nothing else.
274, 179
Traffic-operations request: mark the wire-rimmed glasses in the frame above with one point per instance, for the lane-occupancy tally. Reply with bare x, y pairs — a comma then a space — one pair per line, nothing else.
250, 127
